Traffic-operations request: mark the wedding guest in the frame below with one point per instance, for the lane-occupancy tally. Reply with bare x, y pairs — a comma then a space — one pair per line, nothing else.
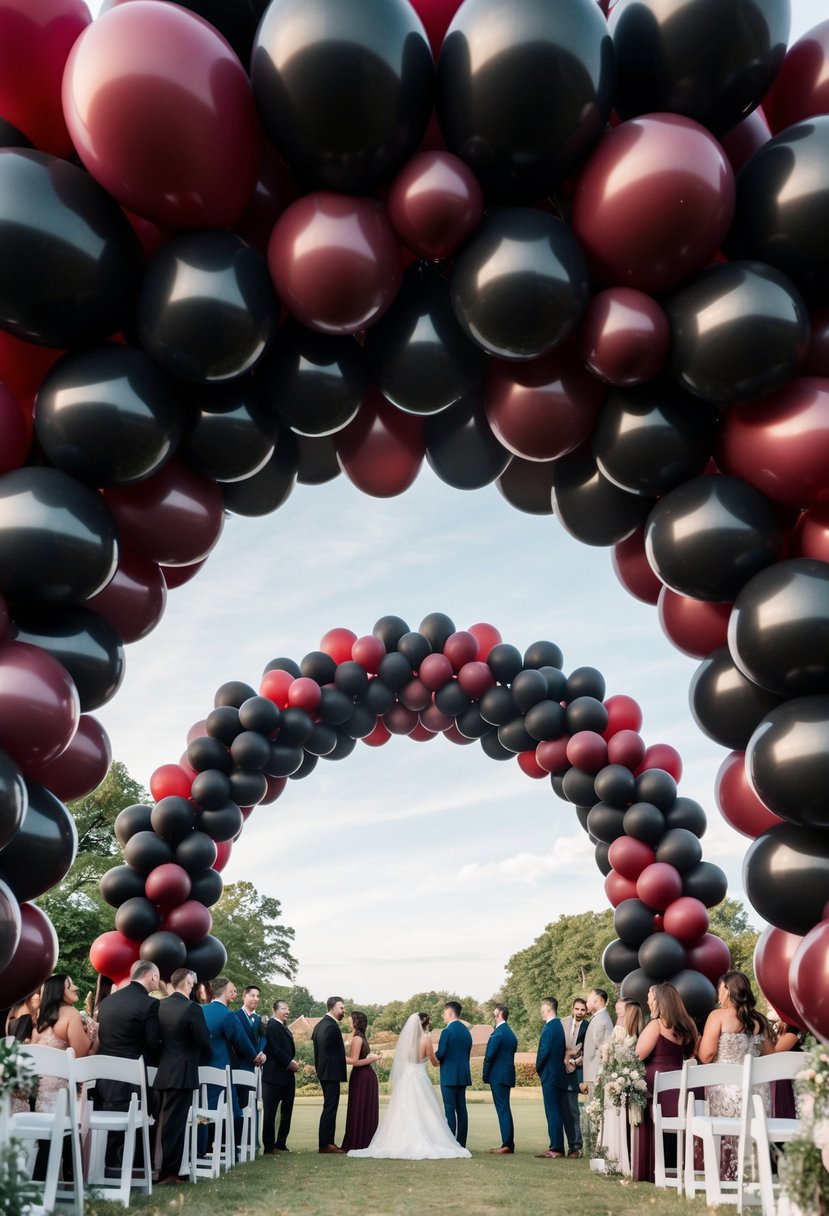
278, 1080
634, 1019
20, 1020
598, 1031
783, 1098
363, 1111
499, 1074
329, 1061
60, 1025
575, 1028
185, 1044
615, 1133
669, 1038
453, 1051
229, 1044
251, 1024
549, 1064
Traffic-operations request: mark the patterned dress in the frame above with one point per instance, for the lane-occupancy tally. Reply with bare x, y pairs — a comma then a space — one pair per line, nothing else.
48, 1087
727, 1100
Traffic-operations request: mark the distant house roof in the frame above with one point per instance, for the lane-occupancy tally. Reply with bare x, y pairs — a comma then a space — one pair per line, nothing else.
302, 1026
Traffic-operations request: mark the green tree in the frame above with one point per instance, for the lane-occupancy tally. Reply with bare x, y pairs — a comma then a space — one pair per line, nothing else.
258, 944
729, 920
394, 1015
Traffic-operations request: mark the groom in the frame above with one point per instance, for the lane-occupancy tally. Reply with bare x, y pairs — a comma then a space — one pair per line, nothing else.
454, 1047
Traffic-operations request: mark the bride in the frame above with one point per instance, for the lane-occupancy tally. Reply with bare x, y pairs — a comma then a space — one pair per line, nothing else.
413, 1127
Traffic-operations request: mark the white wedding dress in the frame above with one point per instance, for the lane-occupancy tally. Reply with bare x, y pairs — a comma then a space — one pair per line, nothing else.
413, 1127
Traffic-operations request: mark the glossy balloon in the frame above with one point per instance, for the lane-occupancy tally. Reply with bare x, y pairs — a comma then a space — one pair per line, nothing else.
14, 799
726, 705
696, 627
461, 447
267, 490
631, 567
34, 957
47, 833
624, 336
39, 707
174, 517
738, 803
786, 876
381, 451
434, 204
801, 87
313, 383
589, 506
231, 436
809, 977
788, 762
773, 956
527, 485
85, 644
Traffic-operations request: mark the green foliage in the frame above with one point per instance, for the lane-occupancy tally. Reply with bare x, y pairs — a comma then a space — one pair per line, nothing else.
394, 1015
729, 920
258, 945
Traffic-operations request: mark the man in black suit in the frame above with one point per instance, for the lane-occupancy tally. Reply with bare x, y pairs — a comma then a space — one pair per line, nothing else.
185, 1043
329, 1061
127, 1028
278, 1080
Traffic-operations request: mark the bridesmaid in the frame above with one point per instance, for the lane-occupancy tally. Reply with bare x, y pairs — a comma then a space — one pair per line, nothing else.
669, 1038
363, 1111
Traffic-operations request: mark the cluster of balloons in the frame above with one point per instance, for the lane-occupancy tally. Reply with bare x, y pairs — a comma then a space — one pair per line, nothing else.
575, 254
467, 685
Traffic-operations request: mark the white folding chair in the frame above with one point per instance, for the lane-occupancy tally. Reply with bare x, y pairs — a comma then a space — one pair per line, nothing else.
102, 1123
759, 1132
55, 1127
219, 1118
699, 1122
677, 1081
248, 1087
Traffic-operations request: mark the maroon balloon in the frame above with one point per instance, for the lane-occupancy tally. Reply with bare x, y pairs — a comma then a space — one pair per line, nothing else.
737, 801
433, 719
39, 706
816, 359
809, 982
435, 671
81, 767
618, 888
436, 16
475, 678
780, 445
551, 754
460, 648
653, 202
633, 570
663, 756
587, 750
710, 956
542, 408
177, 576
134, 599
454, 736
630, 857
174, 517
696, 627
624, 336
223, 850
335, 262
415, 696
399, 720
659, 885
434, 204
773, 955
276, 786
34, 959
161, 113
623, 714
742, 141
168, 885
191, 920
382, 450
810, 537
113, 955
801, 88
686, 919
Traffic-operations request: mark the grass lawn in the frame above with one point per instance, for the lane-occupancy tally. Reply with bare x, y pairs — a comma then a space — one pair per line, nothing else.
303, 1183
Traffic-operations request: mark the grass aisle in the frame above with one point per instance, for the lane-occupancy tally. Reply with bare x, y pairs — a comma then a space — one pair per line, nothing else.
303, 1183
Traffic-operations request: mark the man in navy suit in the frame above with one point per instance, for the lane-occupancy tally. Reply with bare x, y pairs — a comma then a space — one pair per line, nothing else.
549, 1064
499, 1074
453, 1050
229, 1044
251, 1024
575, 1028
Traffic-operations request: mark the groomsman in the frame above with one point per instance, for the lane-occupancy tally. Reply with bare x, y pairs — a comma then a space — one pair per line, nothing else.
251, 1024
329, 1061
499, 1074
549, 1064
185, 1043
278, 1080
598, 1031
575, 1028
453, 1051
229, 1045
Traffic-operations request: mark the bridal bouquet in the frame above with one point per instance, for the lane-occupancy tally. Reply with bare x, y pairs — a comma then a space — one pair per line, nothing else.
621, 1081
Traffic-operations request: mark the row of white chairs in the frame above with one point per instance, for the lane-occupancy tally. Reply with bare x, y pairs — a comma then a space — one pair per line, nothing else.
753, 1129
82, 1129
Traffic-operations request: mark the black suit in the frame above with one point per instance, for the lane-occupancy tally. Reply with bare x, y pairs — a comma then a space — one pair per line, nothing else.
185, 1043
329, 1061
278, 1084
127, 1028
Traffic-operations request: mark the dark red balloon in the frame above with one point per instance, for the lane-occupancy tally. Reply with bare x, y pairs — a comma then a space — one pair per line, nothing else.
801, 87
168, 885
382, 450
686, 919
738, 803
338, 643
626, 747
436, 16
809, 981
177, 576
617, 888
39, 706
434, 204
34, 958
528, 764
435, 671
475, 678
662, 756
81, 766
223, 851
551, 754
710, 956
368, 651
113, 955
134, 599
174, 517
623, 713
659, 885
190, 920
696, 627
773, 956
633, 570
742, 141
486, 636
461, 648
810, 537
587, 750
629, 857
624, 336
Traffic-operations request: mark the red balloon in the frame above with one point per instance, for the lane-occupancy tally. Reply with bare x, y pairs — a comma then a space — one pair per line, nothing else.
801, 87
191, 920
175, 516
710, 956
435, 671
177, 576
542, 408
380, 735
415, 695
382, 450
334, 261
629, 857
460, 649
633, 570
780, 445
436, 16
275, 685
81, 767
422, 734
15, 432
168, 885
196, 731
368, 651
658, 885
686, 919
161, 113
276, 786
39, 706
743, 141
617, 888
35, 41
696, 627
809, 982
434, 204
338, 643
626, 747
738, 803
624, 336
810, 537
623, 713
113, 955
773, 956
528, 764
486, 636
662, 755
475, 678
551, 754
454, 736
653, 203
305, 694
223, 851
170, 780
433, 719
399, 720
587, 750
134, 599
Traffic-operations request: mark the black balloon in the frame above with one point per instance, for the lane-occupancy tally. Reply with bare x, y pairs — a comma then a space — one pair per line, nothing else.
520, 286
145, 851
635, 986
651, 438
757, 340
195, 853
313, 383
309, 763
524, 101
206, 887
345, 746
285, 760
688, 814
528, 688
527, 485
344, 92
210, 789
231, 436
266, 490
656, 786
606, 823
14, 798
70, 258
221, 824
615, 785
137, 918
471, 724
414, 646
316, 459
712, 62
497, 706
223, 723
42, 849
379, 697
600, 854
10, 925
87, 646
727, 706
437, 628
205, 752
120, 884
322, 740
395, 671
513, 736
556, 682
166, 950
207, 958
493, 748
452, 701
708, 537
705, 882
233, 693
585, 682
284, 664
545, 720
619, 960
698, 993
390, 629
680, 849
661, 955
319, 666
259, 714
543, 654
787, 759
250, 750
585, 713
335, 707
578, 787
589, 506
107, 416
505, 662
461, 447
645, 822
248, 787
786, 877
633, 921
172, 819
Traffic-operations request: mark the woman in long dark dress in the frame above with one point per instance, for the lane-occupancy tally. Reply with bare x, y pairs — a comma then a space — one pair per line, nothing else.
668, 1039
363, 1112
783, 1099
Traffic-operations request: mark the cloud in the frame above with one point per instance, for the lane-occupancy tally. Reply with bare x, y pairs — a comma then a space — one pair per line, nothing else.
568, 854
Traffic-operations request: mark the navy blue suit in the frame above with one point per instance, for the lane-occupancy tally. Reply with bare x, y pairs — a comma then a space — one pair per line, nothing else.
228, 1045
499, 1074
549, 1065
454, 1047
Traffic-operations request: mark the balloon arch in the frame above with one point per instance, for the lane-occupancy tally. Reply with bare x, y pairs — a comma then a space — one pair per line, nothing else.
582, 257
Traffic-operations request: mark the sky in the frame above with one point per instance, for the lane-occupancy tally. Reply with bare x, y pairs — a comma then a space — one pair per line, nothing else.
412, 866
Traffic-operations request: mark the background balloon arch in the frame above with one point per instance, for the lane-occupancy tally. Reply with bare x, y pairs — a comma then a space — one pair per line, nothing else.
612, 296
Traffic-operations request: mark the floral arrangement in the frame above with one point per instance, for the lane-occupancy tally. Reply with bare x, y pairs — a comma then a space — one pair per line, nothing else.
17, 1076
621, 1080
804, 1167
17, 1072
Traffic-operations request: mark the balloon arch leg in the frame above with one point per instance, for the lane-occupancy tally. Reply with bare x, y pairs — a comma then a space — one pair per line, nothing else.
586, 264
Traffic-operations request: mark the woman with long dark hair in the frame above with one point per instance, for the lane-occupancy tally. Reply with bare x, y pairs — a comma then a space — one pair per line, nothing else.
363, 1113
669, 1039
60, 1025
